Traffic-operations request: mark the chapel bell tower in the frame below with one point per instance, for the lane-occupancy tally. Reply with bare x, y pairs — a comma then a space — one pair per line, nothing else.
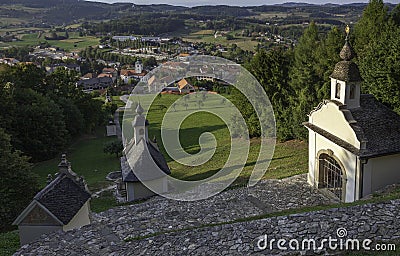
345, 79
140, 124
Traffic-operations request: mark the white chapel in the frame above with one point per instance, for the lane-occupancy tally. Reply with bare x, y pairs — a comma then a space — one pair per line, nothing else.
354, 140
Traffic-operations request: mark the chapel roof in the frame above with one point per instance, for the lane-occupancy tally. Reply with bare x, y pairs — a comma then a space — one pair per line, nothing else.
140, 120
374, 123
63, 197
346, 70
146, 160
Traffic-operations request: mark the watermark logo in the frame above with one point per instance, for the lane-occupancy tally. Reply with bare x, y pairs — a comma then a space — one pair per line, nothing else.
341, 232
340, 242
163, 78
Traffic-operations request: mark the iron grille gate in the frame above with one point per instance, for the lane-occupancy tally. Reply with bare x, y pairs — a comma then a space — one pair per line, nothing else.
330, 176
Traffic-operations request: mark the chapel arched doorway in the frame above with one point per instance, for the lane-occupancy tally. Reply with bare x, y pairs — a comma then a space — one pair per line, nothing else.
332, 177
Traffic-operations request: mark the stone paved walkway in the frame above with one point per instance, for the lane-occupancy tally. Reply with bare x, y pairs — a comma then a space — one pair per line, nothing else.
159, 215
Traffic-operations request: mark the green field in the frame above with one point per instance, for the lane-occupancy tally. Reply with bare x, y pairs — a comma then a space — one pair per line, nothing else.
290, 157
87, 158
207, 36
9, 242
74, 42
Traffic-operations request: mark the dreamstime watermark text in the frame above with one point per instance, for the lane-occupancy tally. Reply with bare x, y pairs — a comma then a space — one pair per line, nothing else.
340, 242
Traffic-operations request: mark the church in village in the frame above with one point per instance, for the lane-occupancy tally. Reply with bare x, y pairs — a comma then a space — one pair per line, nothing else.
354, 140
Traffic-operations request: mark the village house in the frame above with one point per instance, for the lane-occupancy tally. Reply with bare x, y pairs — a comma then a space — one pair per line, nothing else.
354, 140
97, 83
109, 72
170, 90
144, 169
64, 204
185, 87
9, 61
124, 38
183, 56
88, 76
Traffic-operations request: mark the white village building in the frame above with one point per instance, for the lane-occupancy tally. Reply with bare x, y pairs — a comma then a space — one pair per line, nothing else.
354, 140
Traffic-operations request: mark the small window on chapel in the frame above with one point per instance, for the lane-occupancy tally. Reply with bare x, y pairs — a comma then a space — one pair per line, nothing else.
337, 92
141, 131
352, 91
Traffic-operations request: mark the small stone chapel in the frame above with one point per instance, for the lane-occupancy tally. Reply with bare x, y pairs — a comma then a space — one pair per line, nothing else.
354, 140
64, 204
144, 169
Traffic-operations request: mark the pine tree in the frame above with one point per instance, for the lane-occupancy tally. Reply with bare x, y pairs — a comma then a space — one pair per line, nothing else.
395, 15
271, 68
328, 56
18, 184
369, 27
380, 67
304, 79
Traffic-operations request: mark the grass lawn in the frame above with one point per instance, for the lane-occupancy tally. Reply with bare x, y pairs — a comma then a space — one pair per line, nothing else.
9, 242
202, 36
290, 158
87, 159
118, 101
74, 42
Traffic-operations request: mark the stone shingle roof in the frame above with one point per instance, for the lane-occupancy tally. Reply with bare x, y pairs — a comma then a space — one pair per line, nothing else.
146, 160
346, 71
378, 125
63, 197
347, 52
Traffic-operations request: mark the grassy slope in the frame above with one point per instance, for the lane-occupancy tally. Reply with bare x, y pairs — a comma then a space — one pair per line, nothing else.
290, 158
87, 159
67, 44
207, 36
9, 242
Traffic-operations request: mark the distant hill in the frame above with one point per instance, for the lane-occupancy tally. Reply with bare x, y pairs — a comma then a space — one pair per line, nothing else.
59, 12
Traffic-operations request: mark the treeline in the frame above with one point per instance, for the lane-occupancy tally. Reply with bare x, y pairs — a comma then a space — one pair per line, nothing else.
93, 54
221, 10
40, 115
19, 53
148, 24
296, 80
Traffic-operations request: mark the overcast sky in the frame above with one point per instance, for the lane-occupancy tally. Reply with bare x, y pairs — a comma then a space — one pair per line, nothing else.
236, 2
